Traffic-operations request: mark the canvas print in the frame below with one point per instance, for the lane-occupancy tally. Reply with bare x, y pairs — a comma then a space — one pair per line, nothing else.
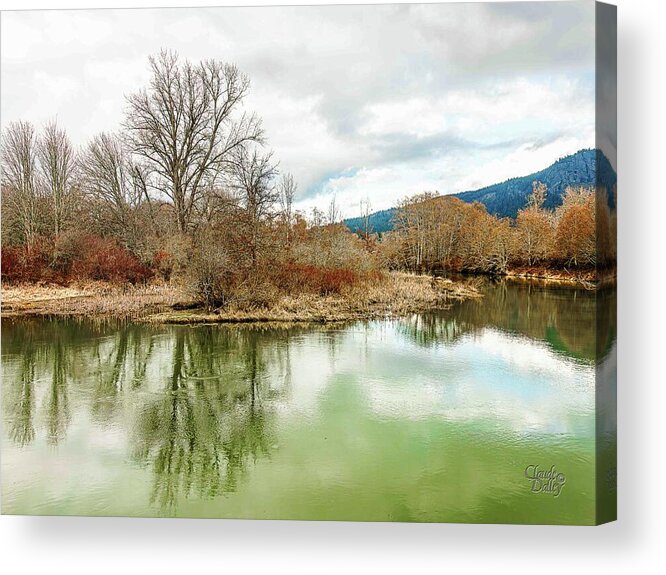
346, 263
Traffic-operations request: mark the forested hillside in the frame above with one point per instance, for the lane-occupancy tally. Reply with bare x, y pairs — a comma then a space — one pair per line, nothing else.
579, 169
378, 222
505, 199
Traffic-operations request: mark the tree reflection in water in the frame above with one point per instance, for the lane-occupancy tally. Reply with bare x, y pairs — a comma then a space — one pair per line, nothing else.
43, 360
198, 429
578, 323
39, 357
57, 405
211, 420
21, 403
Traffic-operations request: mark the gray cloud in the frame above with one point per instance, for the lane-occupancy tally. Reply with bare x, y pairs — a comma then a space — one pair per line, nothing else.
340, 88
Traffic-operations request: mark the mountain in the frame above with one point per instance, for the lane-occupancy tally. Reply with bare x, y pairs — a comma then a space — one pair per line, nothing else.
579, 169
584, 168
380, 222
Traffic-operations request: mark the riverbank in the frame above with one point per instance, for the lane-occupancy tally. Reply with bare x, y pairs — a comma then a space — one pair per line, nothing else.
590, 279
90, 299
398, 294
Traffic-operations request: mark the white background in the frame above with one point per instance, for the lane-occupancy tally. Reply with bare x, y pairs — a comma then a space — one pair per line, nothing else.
634, 544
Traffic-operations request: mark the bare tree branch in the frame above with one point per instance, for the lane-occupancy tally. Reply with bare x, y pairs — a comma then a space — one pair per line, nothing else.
19, 175
57, 163
185, 128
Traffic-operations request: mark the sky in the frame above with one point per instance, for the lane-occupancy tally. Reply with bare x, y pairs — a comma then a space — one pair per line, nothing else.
364, 103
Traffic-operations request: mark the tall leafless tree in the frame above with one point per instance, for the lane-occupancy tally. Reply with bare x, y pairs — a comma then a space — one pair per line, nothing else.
19, 176
287, 190
333, 211
365, 219
109, 176
186, 125
253, 177
57, 162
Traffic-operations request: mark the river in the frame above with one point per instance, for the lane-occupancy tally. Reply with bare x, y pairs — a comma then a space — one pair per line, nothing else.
441, 416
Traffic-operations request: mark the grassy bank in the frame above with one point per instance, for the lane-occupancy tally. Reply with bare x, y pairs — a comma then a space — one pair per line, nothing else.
397, 294
90, 299
587, 278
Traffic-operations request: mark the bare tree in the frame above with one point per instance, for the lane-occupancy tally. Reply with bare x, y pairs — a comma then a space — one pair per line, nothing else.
535, 227
109, 176
19, 176
576, 233
185, 126
414, 220
318, 219
287, 191
538, 195
57, 162
252, 176
333, 211
365, 219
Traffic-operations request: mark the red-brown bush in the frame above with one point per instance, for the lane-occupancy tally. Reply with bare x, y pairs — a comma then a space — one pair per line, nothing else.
23, 264
105, 259
163, 263
87, 257
322, 280
11, 264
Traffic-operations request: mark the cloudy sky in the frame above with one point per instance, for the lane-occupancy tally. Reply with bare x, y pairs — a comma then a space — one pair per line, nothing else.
375, 102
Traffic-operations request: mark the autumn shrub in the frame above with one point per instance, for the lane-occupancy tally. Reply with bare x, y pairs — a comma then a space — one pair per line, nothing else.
164, 263
296, 278
170, 253
332, 280
335, 247
29, 263
11, 264
210, 275
105, 259
72, 257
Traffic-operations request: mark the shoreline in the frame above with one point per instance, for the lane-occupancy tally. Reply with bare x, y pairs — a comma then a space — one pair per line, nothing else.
552, 276
589, 279
398, 295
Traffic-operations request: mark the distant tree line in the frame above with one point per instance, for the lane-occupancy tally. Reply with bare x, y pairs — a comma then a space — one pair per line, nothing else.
585, 168
443, 232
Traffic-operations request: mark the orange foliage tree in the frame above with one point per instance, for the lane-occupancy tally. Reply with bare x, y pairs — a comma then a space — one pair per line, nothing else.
575, 241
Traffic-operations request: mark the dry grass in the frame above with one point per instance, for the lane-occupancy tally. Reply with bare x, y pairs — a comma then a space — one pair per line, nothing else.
396, 294
589, 279
91, 299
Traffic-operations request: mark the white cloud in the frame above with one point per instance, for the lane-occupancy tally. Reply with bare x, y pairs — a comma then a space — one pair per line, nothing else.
527, 158
379, 101
415, 116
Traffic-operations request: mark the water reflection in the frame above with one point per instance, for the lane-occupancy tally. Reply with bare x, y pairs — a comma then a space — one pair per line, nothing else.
22, 402
211, 420
575, 322
57, 406
198, 426
198, 409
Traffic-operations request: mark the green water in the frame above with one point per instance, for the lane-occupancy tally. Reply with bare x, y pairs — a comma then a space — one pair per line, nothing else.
434, 417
